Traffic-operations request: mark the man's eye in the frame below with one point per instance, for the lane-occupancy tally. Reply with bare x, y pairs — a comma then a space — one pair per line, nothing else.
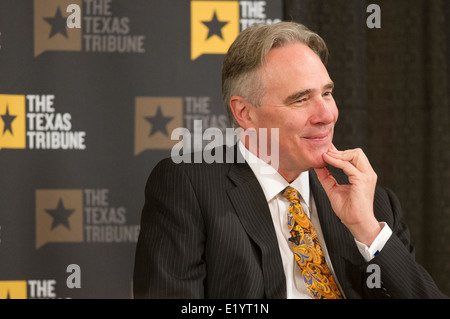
328, 94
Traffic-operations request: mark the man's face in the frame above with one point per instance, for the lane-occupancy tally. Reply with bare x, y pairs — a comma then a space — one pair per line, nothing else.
299, 102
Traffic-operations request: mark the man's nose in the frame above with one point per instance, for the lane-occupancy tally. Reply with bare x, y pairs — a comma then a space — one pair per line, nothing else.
325, 112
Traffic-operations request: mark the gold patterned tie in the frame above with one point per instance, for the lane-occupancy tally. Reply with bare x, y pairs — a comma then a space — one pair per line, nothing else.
308, 254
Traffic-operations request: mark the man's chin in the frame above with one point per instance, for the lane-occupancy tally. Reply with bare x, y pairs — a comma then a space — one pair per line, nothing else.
319, 163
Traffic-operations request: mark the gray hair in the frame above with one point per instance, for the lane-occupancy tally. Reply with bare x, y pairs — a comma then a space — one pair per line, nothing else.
248, 53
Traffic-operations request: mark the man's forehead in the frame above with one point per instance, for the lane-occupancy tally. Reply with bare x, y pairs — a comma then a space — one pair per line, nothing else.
291, 49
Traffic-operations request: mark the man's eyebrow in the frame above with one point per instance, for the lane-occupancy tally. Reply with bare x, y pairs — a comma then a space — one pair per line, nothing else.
329, 86
298, 95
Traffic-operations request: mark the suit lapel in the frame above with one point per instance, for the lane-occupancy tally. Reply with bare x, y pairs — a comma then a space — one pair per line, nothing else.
251, 207
344, 254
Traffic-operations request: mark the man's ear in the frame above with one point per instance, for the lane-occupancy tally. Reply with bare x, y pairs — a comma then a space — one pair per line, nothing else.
242, 111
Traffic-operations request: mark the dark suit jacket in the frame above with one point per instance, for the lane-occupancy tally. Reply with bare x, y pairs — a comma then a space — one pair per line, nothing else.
207, 232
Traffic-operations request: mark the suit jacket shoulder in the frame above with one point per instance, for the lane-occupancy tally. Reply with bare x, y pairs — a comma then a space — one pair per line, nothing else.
199, 238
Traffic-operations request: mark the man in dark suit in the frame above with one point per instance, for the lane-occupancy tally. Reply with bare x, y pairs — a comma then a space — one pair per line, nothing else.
305, 221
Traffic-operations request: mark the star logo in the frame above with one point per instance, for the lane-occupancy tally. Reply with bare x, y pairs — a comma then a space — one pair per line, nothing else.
163, 115
57, 23
214, 26
13, 289
158, 122
7, 121
51, 32
12, 121
60, 215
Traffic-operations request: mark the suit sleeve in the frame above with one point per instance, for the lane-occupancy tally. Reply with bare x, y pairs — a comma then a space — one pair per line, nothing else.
401, 276
169, 254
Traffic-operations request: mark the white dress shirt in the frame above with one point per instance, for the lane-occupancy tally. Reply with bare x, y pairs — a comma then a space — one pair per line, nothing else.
272, 184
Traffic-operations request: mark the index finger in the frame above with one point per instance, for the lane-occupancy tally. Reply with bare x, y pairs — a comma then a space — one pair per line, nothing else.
355, 156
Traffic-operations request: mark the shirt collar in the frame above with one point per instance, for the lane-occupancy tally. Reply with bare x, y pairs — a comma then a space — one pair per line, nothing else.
270, 180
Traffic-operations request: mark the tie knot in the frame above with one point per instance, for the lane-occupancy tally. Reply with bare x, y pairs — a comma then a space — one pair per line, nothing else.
291, 194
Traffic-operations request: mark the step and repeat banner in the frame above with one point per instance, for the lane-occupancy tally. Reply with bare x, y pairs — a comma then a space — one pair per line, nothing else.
90, 93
